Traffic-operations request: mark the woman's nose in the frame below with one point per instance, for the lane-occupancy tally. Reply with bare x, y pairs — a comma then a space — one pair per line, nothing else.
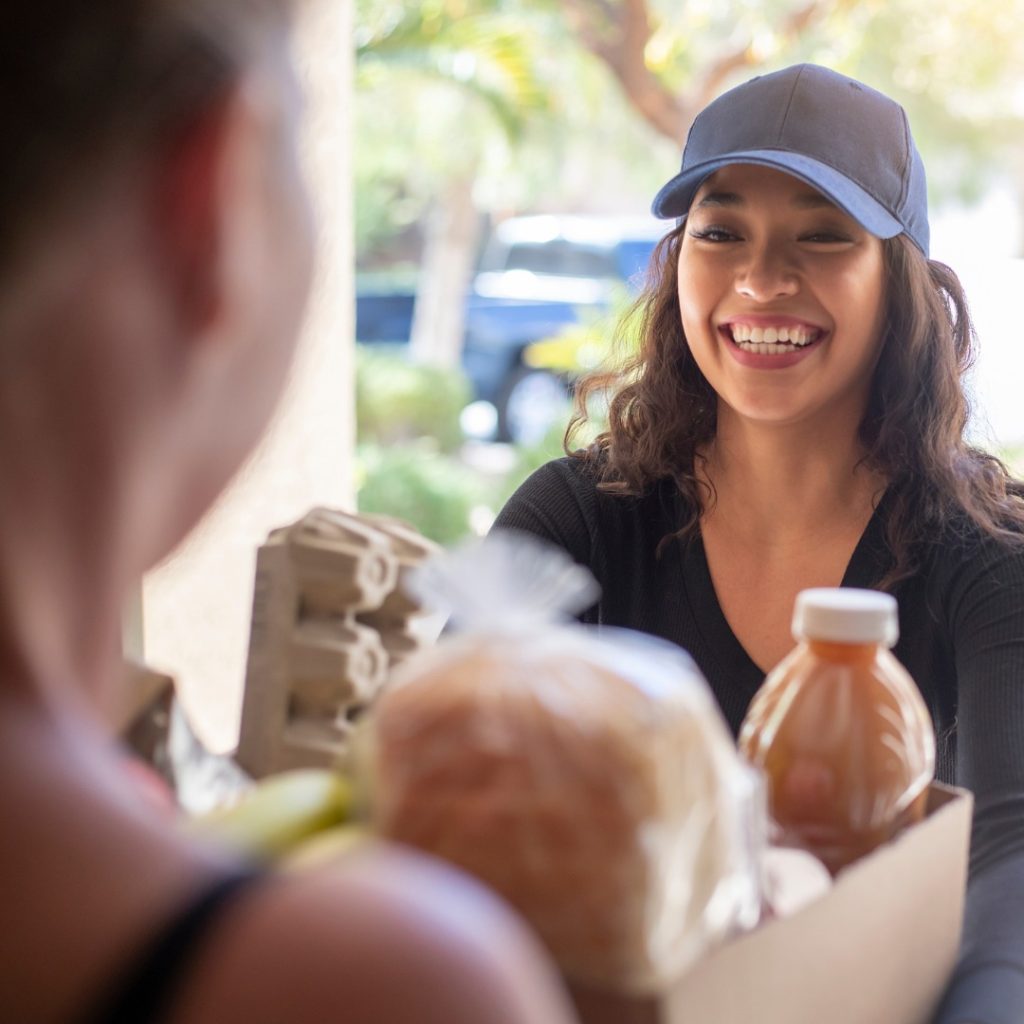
767, 275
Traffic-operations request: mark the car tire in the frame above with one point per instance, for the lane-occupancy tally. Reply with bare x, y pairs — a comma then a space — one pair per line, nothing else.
532, 401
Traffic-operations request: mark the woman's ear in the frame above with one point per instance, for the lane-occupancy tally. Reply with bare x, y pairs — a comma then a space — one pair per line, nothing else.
189, 195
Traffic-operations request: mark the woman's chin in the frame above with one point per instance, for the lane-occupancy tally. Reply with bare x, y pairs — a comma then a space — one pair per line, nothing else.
764, 415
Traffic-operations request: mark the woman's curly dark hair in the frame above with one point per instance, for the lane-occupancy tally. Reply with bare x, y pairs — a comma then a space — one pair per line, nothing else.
662, 410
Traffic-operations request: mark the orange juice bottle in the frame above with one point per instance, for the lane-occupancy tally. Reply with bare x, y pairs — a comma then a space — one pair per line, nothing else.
840, 730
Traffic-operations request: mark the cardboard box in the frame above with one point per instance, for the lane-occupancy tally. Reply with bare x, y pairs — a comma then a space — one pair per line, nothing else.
877, 949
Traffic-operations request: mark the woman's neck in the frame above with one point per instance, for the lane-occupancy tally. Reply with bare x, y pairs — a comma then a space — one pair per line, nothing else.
60, 611
72, 522
61, 572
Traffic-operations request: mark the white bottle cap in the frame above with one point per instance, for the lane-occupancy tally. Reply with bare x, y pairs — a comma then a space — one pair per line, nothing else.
845, 615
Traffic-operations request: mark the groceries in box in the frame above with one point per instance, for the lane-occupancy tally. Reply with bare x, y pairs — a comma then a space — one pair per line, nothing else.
588, 776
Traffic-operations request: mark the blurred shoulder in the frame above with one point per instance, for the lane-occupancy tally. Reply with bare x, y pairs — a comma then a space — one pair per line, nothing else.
389, 936
964, 545
589, 481
556, 502
972, 572
570, 472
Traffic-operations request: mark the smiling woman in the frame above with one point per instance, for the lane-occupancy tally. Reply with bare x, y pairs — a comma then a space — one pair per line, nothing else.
794, 418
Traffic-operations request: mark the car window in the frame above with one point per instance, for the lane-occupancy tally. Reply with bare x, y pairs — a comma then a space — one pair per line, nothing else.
632, 257
561, 258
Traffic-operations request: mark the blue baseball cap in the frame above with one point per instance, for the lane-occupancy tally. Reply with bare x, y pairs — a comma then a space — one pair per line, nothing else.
840, 136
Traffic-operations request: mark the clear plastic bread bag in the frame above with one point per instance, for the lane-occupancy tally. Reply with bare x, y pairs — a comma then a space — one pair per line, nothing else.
585, 774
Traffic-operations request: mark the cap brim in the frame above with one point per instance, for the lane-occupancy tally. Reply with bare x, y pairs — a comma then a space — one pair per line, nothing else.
675, 197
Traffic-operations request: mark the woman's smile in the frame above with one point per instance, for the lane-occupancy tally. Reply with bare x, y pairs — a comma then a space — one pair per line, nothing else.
770, 342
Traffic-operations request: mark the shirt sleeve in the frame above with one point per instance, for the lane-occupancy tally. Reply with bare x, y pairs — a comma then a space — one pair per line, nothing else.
551, 505
986, 620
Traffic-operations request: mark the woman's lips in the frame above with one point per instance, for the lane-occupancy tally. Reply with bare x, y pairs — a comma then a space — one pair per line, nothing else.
765, 361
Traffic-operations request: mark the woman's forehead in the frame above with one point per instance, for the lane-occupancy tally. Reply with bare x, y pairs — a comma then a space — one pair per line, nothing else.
739, 184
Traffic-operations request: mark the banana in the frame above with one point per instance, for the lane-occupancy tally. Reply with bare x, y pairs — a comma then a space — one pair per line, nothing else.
326, 847
279, 812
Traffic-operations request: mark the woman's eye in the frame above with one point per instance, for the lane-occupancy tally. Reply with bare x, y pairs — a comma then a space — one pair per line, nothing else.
714, 234
826, 238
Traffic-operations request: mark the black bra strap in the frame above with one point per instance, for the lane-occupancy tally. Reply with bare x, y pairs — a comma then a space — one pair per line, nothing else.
147, 990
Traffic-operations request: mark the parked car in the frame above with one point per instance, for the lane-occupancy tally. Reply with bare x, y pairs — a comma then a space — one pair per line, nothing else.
538, 276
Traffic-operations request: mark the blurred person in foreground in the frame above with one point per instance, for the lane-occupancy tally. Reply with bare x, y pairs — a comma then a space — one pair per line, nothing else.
155, 254
795, 417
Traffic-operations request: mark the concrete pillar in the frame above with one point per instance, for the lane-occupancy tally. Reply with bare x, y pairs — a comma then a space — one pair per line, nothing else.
197, 606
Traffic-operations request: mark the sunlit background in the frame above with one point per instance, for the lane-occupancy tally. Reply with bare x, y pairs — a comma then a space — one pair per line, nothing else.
506, 152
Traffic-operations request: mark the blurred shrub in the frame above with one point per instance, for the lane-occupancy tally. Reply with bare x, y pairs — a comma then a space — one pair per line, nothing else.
398, 401
408, 461
434, 492
529, 459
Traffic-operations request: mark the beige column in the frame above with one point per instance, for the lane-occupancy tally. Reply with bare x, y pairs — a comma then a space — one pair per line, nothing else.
196, 607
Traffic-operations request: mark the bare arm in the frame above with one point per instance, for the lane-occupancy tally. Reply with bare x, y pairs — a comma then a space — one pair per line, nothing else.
390, 937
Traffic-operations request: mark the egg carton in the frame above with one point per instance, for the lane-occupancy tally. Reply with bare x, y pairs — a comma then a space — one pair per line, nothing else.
330, 621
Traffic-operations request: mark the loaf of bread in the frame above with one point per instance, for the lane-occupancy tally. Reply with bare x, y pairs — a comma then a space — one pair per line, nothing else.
587, 778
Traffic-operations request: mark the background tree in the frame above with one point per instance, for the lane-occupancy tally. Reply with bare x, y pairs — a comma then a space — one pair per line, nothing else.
956, 66
477, 108
446, 89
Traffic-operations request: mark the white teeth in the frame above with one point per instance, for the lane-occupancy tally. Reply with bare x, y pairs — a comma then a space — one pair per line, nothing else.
747, 336
766, 350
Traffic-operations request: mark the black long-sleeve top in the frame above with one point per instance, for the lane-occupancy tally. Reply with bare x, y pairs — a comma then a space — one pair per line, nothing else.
961, 638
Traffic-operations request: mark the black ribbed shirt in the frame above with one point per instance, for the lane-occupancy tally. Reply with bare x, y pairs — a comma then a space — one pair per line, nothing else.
961, 638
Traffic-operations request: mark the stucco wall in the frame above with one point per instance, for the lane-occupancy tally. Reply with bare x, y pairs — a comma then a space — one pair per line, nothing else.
196, 607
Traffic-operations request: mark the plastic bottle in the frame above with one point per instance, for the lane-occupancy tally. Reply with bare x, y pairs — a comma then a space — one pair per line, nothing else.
840, 730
